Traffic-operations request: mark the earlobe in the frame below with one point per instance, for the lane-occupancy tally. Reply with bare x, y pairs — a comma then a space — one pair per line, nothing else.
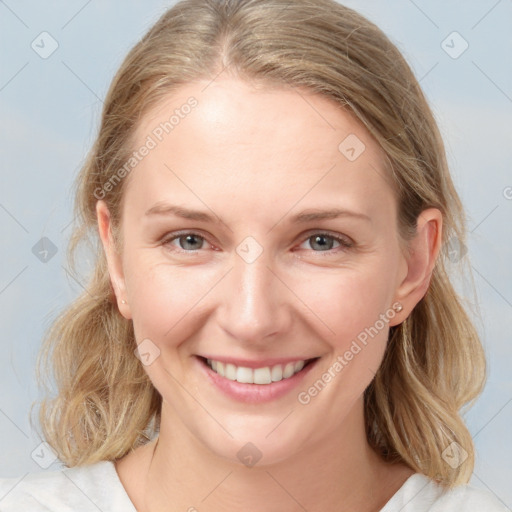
420, 262
112, 256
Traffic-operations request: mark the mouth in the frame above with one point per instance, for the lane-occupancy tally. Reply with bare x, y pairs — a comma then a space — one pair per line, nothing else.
251, 381
262, 375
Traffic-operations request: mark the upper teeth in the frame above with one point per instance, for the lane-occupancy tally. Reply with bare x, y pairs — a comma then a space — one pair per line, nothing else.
265, 375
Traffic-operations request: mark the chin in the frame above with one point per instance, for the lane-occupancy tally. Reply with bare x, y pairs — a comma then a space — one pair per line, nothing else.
262, 442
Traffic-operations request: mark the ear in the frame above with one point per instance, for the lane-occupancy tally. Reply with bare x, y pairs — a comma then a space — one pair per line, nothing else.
114, 262
419, 262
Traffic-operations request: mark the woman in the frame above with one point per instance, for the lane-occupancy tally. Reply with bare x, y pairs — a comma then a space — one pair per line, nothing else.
270, 324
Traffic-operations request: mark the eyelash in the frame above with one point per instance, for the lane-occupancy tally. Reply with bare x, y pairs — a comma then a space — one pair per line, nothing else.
345, 244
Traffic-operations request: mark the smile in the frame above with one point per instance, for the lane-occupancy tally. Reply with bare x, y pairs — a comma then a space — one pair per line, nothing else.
252, 381
263, 375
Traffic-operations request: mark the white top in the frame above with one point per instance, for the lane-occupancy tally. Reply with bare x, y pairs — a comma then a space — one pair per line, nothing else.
97, 487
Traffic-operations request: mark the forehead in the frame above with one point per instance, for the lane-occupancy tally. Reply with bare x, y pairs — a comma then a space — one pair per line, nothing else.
229, 111
226, 138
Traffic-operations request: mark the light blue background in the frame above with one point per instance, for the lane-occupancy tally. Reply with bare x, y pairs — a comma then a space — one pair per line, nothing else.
49, 111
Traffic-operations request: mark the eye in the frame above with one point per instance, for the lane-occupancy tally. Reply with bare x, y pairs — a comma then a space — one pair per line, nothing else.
191, 242
324, 242
185, 242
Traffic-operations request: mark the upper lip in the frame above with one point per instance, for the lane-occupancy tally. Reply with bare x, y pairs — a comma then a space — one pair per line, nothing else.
251, 363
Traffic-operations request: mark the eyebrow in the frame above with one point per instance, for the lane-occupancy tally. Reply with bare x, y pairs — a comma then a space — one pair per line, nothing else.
302, 217
179, 211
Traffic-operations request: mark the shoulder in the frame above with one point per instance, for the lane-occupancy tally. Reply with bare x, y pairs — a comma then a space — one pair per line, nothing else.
420, 494
79, 489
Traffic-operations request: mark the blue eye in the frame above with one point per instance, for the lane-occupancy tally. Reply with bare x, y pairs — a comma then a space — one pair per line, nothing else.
324, 242
187, 242
319, 242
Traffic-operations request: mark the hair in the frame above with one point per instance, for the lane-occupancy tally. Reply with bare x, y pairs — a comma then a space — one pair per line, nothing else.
434, 364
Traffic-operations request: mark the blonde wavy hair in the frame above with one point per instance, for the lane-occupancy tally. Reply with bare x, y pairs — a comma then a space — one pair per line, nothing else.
434, 364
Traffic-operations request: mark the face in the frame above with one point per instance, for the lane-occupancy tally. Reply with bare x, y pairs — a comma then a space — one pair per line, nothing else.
260, 262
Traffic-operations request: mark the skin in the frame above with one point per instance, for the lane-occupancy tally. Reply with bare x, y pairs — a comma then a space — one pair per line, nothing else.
255, 158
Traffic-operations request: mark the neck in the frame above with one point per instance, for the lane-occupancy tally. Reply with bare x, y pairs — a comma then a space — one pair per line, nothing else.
342, 473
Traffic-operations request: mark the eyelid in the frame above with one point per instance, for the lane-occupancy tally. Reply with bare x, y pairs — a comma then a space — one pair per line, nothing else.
345, 242
343, 239
170, 237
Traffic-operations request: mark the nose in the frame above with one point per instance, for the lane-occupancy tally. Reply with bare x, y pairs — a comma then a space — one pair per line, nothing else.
255, 306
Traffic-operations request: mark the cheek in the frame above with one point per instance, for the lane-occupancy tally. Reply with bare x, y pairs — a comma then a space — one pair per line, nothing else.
354, 304
356, 307
164, 298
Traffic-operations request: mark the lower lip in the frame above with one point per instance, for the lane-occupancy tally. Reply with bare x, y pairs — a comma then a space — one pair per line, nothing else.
254, 393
